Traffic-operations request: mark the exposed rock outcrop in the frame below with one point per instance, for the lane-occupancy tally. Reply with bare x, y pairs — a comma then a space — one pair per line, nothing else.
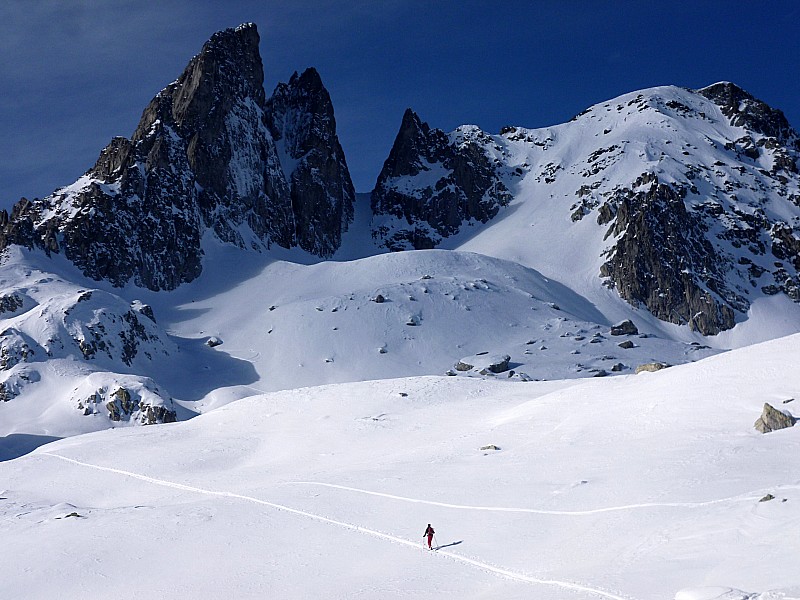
772, 419
744, 110
662, 260
432, 183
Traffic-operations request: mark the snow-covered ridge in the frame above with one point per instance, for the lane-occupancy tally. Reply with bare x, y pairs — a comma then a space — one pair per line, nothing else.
716, 163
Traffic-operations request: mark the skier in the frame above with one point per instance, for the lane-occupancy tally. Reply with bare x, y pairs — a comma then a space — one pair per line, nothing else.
429, 532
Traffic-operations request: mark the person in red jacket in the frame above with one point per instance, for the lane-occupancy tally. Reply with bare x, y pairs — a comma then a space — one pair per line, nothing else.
429, 532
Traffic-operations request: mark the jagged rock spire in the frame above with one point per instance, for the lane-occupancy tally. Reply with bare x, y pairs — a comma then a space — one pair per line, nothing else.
202, 157
432, 183
301, 120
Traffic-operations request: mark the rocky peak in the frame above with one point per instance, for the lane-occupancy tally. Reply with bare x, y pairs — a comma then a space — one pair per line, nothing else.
744, 110
300, 114
227, 70
432, 183
300, 118
202, 158
697, 195
415, 142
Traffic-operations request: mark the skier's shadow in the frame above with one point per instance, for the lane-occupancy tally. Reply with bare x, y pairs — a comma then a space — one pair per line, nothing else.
448, 545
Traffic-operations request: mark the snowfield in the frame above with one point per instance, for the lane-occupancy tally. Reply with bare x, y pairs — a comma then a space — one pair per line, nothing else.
635, 487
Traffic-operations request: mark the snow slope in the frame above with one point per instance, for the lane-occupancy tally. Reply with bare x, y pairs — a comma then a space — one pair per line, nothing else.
282, 324
635, 487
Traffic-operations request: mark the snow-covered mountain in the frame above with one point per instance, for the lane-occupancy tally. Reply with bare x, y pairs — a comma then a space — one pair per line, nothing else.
686, 203
316, 389
188, 262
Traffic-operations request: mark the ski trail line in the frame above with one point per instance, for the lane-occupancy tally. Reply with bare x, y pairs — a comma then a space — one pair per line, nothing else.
475, 563
537, 511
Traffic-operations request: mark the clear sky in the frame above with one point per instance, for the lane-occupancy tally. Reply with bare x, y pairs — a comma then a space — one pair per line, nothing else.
75, 73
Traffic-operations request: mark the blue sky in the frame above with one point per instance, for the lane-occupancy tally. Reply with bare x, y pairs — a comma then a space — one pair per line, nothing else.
75, 73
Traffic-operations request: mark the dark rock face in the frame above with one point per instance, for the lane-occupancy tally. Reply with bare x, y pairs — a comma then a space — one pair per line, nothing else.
662, 260
10, 303
432, 183
202, 158
301, 121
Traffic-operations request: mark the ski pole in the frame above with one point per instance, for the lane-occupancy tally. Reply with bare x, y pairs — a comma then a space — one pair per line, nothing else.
435, 543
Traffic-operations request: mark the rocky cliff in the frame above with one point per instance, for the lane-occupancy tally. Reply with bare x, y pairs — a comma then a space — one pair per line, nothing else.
301, 121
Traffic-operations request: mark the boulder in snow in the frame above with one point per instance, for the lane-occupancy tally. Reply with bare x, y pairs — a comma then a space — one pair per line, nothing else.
651, 367
494, 363
772, 419
625, 328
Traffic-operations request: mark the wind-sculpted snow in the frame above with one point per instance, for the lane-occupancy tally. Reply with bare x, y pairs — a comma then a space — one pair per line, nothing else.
419, 313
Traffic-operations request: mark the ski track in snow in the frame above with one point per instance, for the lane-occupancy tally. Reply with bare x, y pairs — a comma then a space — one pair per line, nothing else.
740, 498
475, 563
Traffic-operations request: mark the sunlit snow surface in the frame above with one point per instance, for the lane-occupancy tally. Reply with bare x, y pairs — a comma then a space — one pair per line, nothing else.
636, 487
